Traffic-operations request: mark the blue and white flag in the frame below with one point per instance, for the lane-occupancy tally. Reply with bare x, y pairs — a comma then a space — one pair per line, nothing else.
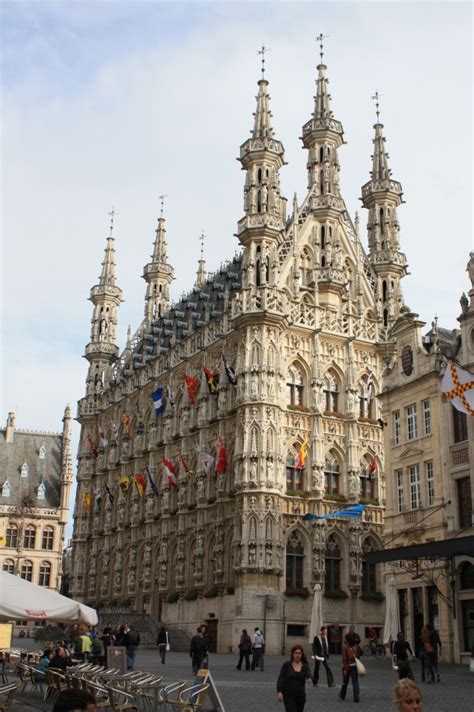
158, 402
152, 482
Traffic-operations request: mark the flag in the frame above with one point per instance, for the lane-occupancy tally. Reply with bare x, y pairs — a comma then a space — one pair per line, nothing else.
103, 438
169, 472
152, 482
140, 425
114, 431
3, 540
221, 463
170, 395
158, 403
206, 461
123, 484
302, 455
354, 512
86, 500
193, 385
458, 386
230, 373
140, 484
110, 495
126, 422
187, 470
98, 498
92, 445
372, 468
212, 379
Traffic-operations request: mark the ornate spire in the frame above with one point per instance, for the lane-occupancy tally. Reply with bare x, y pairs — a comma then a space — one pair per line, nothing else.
107, 275
322, 136
201, 272
158, 274
262, 127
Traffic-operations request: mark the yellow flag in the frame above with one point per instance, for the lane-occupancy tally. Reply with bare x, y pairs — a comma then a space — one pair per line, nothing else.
3, 540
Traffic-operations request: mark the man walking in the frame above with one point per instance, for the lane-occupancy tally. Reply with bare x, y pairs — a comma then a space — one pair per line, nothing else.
198, 650
321, 655
257, 646
401, 648
162, 643
131, 640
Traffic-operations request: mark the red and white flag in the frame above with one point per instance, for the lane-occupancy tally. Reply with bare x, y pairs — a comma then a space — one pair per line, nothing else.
221, 463
169, 472
206, 461
458, 386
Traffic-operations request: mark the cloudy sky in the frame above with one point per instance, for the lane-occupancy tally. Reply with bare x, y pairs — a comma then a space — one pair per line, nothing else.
114, 103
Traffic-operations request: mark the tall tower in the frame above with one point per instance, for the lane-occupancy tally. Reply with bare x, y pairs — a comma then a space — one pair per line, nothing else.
102, 350
322, 136
260, 231
67, 473
381, 196
158, 275
201, 271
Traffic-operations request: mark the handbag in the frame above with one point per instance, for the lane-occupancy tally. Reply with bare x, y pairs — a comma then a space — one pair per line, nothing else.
428, 647
360, 668
168, 647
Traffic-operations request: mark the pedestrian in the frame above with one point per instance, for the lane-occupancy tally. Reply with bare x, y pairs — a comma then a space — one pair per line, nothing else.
352, 638
108, 636
321, 655
401, 649
258, 648
430, 640
207, 644
198, 650
291, 681
162, 643
407, 696
423, 658
72, 700
349, 670
86, 644
245, 646
120, 634
131, 640
436, 645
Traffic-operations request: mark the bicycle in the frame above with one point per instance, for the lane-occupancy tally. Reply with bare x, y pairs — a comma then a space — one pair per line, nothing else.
373, 647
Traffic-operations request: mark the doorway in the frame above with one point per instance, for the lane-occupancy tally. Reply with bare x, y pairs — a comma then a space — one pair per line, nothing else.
212, 625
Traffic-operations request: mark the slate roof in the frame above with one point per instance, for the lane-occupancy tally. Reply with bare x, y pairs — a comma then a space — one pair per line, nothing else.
25, 449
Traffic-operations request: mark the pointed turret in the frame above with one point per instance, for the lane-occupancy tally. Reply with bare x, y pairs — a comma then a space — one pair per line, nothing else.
158, 275
381, 196
322, 136
201, 271
106, 297
261, 157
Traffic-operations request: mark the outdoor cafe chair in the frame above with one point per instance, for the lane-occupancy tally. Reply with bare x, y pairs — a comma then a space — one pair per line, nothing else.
8, 692
189, 699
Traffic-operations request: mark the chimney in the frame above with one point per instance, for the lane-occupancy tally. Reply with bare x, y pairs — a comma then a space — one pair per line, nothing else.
10, 427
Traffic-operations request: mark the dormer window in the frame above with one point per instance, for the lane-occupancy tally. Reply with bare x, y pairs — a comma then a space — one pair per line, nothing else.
6, 489
24, 470
42, 452
41, 494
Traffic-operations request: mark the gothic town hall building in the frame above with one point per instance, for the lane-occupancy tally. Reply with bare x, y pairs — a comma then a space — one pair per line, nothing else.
302, 318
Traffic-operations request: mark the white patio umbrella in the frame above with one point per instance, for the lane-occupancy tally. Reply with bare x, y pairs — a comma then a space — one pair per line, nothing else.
316, 613
23, 600
392, 616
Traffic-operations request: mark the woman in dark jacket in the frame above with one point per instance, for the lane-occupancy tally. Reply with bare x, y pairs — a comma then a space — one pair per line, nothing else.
245, 646
291, 681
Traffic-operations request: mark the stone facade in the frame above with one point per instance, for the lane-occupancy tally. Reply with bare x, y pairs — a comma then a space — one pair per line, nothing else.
36, 476
429, 456
302, 315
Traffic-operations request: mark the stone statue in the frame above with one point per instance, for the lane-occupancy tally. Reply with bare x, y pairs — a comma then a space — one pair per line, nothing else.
470, 268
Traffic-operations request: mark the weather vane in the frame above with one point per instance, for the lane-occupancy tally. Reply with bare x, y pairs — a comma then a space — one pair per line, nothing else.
112, 216
201, 240
320, 39
262, 52
162, 202
376, 98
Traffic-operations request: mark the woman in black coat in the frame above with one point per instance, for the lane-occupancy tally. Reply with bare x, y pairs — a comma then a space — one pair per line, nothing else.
291, 681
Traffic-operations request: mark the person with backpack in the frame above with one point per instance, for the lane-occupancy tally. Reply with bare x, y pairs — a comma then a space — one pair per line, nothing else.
258, 645
245, 647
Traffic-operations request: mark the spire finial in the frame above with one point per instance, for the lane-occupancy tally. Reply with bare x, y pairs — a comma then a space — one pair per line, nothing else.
201, 240
112, 216
262, 52
376, 98
320, 39
162, 203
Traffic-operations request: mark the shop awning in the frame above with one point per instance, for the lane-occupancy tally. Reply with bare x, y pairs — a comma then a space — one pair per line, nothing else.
430, 550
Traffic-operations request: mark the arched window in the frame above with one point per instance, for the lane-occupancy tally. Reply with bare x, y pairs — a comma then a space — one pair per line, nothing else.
295, 385
384, 290
26, 571
295, 474
12, 536
42, 452
466, 578
332, 557
305, 268
323, 237
8, 566
24, 470
331, 391
294, 562
369, 571
6, 489
332, 474
47, 538
44, 578
367, 478
29, 539
41, 492
385, 317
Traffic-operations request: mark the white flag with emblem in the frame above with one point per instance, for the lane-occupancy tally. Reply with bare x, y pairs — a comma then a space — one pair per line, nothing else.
458, 386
